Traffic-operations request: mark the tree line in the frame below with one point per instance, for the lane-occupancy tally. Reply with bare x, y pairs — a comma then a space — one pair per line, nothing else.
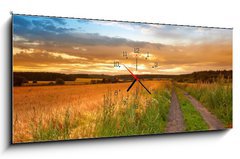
206, 76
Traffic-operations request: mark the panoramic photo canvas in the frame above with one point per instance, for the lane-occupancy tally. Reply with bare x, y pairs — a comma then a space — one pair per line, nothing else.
84, 78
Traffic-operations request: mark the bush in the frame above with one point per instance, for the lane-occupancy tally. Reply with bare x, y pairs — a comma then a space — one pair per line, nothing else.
19, 80
51, 83
93, 81
60, 81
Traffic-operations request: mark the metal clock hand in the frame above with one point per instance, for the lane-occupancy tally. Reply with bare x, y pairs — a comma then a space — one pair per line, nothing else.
135, 79
131, 85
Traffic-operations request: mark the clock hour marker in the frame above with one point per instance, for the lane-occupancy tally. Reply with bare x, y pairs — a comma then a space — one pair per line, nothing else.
136, 50
147, 56
155, 65
125, 54
116, 64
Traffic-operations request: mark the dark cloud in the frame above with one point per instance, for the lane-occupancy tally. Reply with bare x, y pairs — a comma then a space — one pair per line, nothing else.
46, 26
46, 32
65, 41
49, 35
39, 30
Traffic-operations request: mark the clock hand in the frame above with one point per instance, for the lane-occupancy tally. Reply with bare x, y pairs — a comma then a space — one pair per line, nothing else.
131, 85
136, 79
144, 87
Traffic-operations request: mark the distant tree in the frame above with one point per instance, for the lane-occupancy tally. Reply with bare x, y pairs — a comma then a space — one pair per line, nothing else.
50, 83
93, 81
19, 80
104, 80
114, 80
60, 81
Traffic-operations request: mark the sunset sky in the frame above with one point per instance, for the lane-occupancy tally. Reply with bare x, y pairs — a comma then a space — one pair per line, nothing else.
49, 44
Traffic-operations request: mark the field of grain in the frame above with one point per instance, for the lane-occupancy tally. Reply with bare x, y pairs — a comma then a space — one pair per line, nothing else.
44, 113
63, 112
78, 81
86, 80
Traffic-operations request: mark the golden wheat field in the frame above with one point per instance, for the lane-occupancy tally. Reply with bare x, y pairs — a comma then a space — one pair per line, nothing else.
37, 107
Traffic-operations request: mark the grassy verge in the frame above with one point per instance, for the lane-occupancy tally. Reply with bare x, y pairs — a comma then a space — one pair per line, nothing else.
217, 97
132, 116
192, 118
54, 128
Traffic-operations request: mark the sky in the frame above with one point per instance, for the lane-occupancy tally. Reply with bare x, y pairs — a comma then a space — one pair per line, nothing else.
72, 46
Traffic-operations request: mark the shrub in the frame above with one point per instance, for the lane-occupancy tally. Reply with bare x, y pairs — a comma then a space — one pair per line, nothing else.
19, 80
60, 81
50, 83
93, 81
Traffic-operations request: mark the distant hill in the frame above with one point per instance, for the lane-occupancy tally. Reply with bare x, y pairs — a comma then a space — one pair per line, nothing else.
192, 77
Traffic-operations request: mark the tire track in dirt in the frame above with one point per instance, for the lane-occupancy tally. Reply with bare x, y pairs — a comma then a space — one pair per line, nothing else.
211, 120
175, 117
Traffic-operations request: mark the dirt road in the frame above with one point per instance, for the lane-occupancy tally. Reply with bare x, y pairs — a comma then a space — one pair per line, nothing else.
175, 117
211, 120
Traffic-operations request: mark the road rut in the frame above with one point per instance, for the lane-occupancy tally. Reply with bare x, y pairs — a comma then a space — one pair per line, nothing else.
175, 117
211, 120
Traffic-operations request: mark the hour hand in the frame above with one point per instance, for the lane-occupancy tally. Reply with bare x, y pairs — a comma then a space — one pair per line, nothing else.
131, 85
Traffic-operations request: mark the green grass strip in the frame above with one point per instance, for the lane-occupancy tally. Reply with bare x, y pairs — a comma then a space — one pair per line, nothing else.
192, 118
217, 98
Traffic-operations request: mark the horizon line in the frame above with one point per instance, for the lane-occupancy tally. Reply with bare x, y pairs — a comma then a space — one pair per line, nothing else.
117, 74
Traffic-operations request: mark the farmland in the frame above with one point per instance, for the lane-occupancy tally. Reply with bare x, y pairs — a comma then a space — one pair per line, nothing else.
80, 78
78, 81
59, 112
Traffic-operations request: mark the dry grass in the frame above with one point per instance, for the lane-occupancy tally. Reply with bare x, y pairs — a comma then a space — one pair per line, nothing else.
85, 80
44, 107
78, 81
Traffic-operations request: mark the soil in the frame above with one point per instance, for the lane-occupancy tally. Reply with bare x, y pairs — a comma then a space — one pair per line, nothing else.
175, 117
211, 120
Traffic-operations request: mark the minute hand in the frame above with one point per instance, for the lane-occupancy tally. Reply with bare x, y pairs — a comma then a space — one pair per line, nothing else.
136, 79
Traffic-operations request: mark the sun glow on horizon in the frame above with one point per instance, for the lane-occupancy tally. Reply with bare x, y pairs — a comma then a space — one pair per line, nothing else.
86, 46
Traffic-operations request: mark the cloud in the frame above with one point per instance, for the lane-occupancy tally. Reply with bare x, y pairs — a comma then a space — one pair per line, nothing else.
60, 21
170, 59
38, 28
44, 43
21, 21
46, 31
46, 26
186, 35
